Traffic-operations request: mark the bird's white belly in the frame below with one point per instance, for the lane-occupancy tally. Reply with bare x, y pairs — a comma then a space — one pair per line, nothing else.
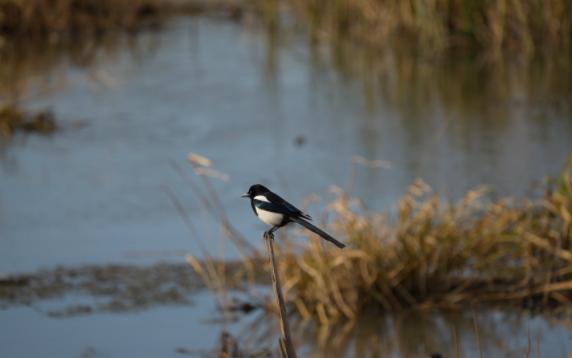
269, 218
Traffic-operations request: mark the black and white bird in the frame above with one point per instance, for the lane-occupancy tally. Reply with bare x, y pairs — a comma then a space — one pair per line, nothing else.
272, 210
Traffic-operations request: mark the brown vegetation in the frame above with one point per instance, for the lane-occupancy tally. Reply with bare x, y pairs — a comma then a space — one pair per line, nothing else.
39, 17
76, 17
524, 26
13, 119
437, 254
434, 253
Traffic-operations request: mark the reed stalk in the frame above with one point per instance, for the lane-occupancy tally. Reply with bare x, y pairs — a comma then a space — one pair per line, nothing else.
286, 347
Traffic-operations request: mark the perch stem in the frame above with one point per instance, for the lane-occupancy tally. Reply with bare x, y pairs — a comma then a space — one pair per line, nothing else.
286, 347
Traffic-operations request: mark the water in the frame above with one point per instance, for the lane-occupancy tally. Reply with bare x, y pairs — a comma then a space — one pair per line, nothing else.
268, 107
142, 334
180, 330
163, 310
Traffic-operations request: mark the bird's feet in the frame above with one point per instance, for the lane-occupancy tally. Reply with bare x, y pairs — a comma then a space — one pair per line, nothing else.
270, 233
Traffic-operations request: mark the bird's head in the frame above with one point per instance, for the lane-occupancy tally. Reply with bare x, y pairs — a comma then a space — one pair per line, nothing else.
254, 190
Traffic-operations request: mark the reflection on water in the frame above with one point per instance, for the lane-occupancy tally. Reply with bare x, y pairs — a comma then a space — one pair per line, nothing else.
458, 121
37, 68
451, 334
467, 333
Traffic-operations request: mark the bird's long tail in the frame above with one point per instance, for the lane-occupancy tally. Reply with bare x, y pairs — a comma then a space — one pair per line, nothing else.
319, 232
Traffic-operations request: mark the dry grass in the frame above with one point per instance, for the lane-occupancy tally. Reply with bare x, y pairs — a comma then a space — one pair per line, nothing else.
435, 254
438, 254
76, 17
26, 17
524, 25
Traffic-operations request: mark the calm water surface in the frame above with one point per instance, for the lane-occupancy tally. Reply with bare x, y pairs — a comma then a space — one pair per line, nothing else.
265, 107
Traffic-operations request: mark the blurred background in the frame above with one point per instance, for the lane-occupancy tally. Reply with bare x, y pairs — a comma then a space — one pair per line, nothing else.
101, 103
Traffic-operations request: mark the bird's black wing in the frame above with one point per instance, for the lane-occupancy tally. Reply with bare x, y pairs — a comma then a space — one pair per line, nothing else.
288, 208
272, 207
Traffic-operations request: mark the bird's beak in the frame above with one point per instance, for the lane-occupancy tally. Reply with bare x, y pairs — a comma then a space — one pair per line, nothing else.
245, 195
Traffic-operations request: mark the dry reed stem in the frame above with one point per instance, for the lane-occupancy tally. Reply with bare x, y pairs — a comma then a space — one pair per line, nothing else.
286, 347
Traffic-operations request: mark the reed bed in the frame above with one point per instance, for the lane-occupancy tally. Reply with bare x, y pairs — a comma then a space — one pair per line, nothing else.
523, 25
39, 18
433, 253
438, 254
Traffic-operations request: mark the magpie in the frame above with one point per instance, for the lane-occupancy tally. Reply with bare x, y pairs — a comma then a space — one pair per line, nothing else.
272, 210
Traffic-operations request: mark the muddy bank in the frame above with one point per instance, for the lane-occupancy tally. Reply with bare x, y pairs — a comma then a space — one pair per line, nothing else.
13, 119
113, 288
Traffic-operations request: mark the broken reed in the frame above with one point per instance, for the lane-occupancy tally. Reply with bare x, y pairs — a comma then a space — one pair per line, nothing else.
438, 254
523, 25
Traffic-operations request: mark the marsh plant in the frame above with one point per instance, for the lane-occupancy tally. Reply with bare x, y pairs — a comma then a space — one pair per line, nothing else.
69, 18
438, 254
432, 253
14, 119
524, 26
40, 18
